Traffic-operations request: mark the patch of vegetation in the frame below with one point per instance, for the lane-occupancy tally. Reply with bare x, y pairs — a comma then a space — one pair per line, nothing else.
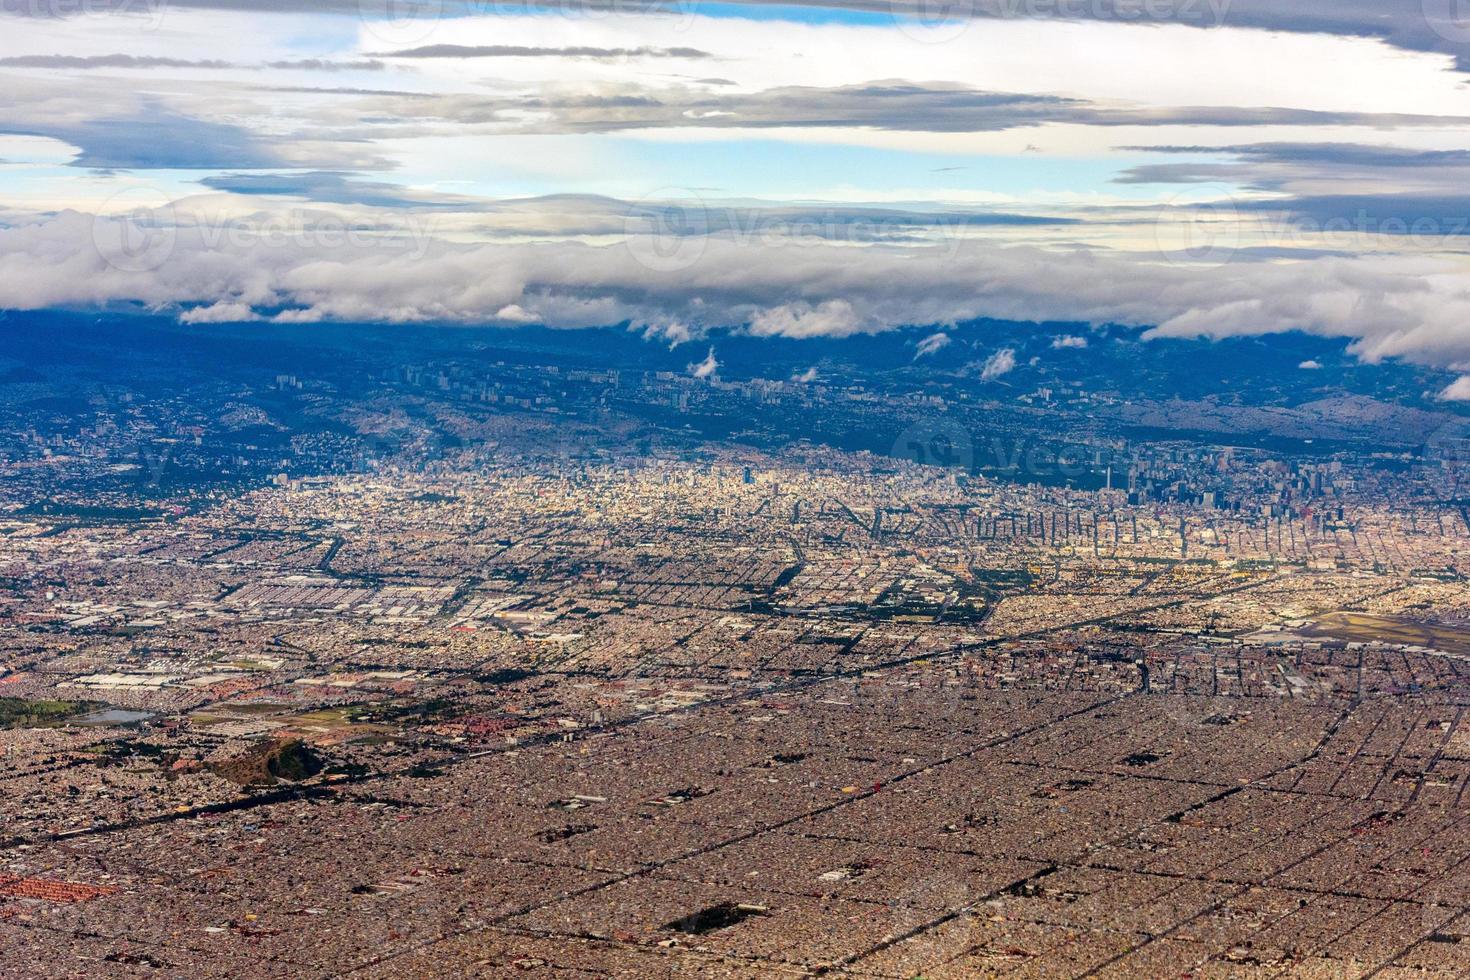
269, 763
90, 512
20, 713
126, 749
425, 712
347, 770
505, 675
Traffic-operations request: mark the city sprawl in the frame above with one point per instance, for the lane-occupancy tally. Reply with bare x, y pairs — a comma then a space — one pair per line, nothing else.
500, 668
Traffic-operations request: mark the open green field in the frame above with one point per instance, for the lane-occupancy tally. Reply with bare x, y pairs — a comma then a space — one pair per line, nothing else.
20, 713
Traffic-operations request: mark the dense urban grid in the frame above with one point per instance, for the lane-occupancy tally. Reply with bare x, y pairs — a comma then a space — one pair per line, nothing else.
476, 661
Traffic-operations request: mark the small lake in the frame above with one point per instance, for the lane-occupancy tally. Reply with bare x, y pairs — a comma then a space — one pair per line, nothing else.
113, 716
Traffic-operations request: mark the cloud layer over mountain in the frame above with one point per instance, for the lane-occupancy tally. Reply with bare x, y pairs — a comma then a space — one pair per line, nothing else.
850, 167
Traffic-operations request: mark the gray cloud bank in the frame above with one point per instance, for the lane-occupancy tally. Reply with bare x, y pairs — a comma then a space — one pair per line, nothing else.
1410, 307
1435, 26
521, 51
124, 127
895, 105
144, 62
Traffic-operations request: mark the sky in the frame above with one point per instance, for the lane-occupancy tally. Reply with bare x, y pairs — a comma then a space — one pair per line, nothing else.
1196, 168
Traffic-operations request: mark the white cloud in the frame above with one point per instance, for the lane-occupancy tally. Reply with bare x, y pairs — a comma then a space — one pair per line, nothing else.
931, 344
514, 314
1310, 365
806, 377
1457, 391
424, 125
829, 318
707, 367
1000, 363
1385, 306
222, 312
